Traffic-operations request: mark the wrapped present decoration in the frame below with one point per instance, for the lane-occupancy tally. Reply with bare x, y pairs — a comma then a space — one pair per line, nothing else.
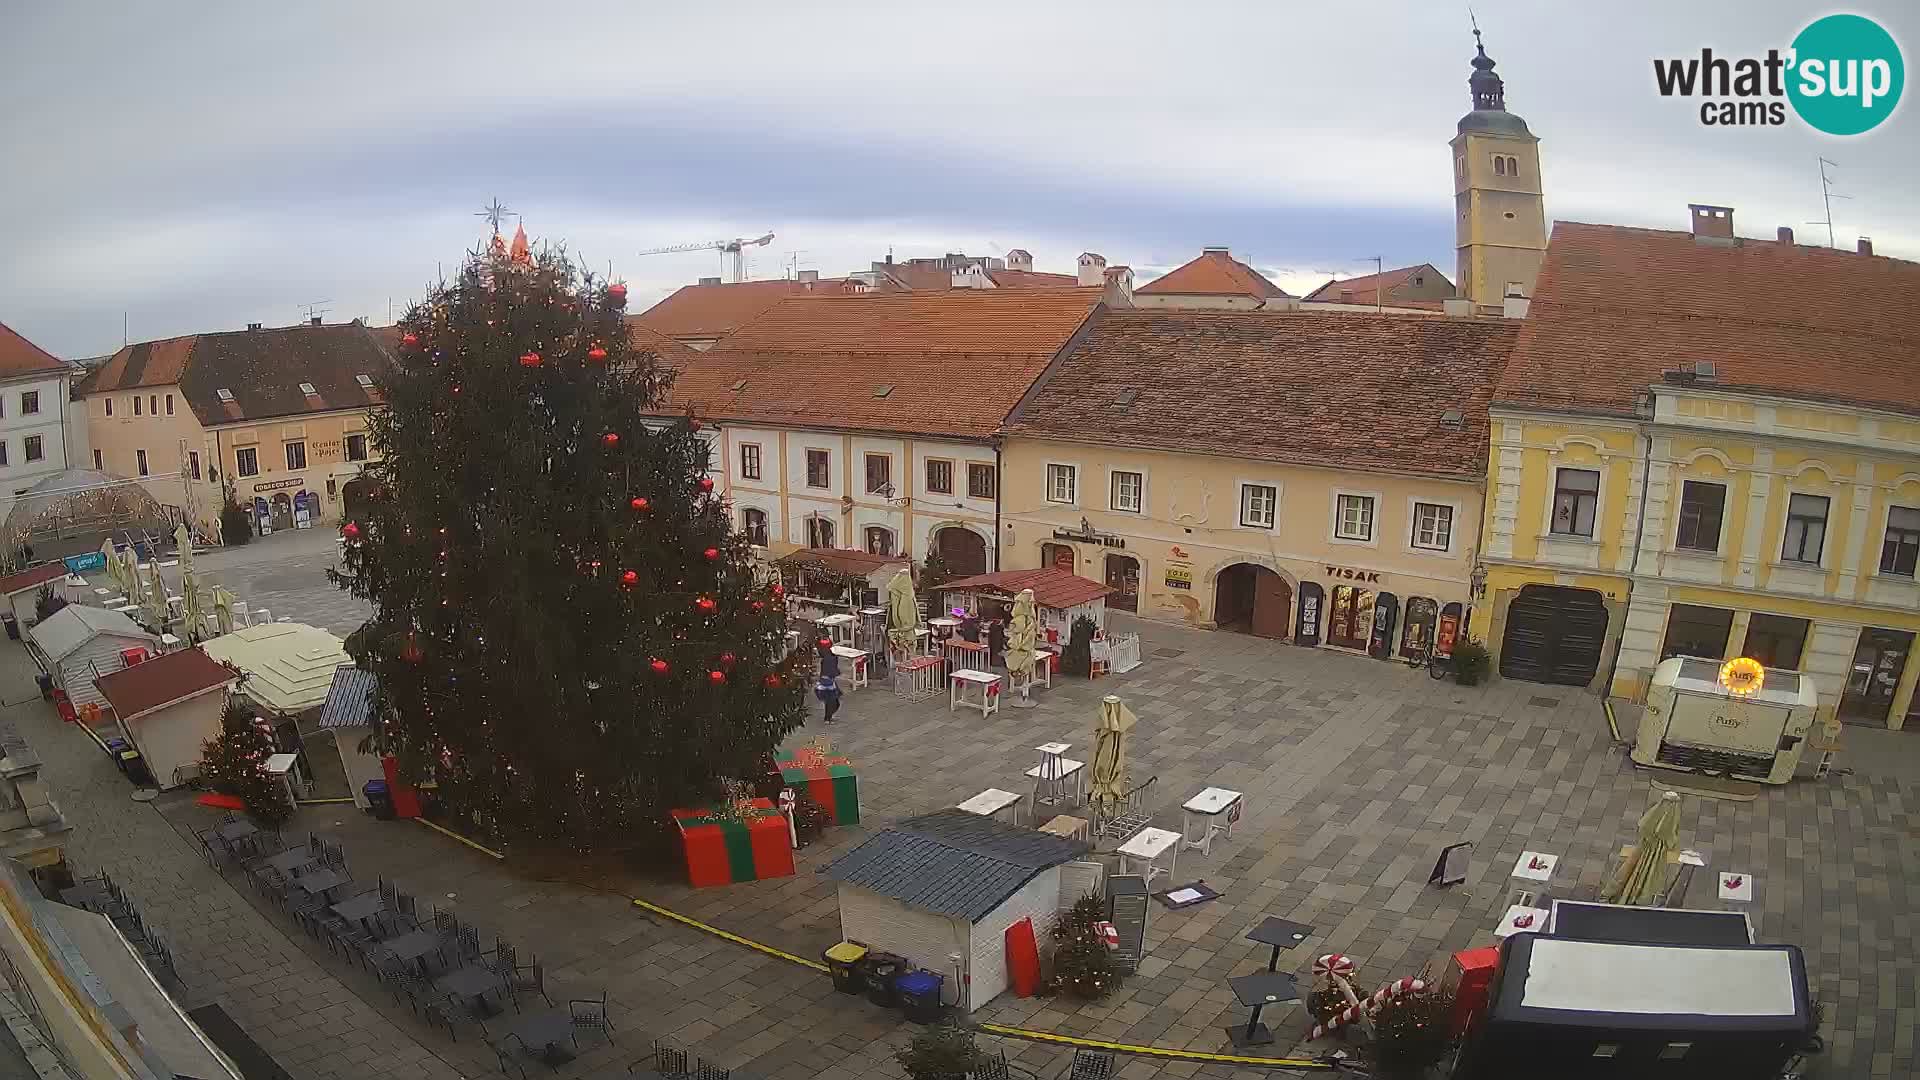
744, 841
828, 781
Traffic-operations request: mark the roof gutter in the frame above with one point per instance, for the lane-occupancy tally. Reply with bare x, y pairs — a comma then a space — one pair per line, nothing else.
1633, 567
202, 692
999, 485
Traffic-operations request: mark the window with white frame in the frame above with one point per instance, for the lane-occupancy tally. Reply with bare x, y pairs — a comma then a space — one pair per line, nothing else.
1353, 517
246, 461
1432, 526
749, 461
879, 540
1060, 483
1259, 505
819, 473
1576, 497
754, 524
1806, 529
819, 532
1126, 488
879, 474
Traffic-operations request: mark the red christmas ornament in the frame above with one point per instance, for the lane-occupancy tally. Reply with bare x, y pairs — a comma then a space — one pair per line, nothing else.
825, 643
705, 604
596, 353
706, 483
409, 339
350, 530
410, 652
529, 359
659, 666
716, 677
711, 554
727, 660
611, 438
773, 682
779, 589
617, 293
757, 605
693, 425
630, 578
640, 504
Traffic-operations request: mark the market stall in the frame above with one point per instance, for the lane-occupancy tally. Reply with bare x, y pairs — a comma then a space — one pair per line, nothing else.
831, 581
169, 707
79, 643
1059, 597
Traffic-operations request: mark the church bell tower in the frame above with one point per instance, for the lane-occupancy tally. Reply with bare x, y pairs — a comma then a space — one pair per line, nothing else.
1500, 223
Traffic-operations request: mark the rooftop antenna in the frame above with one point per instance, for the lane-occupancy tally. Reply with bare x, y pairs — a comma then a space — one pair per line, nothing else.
1827, 195
1379, 264
315, 310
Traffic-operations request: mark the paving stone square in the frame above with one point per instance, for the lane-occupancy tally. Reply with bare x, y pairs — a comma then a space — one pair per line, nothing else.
1356, 774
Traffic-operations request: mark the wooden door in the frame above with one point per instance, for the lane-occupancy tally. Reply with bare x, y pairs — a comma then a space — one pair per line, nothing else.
1272, 603
1123, 577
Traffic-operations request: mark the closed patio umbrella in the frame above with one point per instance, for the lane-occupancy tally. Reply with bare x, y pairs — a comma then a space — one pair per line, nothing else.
183, 544
1109, 783
1020, 642
1640, 879
223, 610
903, 613
194, 613
156, 597
112, 568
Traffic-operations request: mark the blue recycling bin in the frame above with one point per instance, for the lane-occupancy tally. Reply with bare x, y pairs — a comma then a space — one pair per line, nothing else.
379, 799
920, 995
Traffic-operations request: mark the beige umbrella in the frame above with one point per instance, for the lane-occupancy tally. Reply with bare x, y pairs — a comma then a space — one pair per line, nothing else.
1109, 784
156, 598
1020, 644
192, 613
223, 609
113, 564
903, 613
1640, 879
130, 574
183, 544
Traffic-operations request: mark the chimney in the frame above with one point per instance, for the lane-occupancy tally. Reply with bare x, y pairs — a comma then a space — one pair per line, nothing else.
1786, 236
1020, 259
1457, 307
1712, 222
1866, 245
253, 326
709, 281
1093, 269
313, 320
808, 277
1119, 282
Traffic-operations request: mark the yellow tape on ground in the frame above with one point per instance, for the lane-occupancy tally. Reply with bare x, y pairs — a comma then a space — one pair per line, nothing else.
1612, 725
484, 850
725, 935
1152, 1051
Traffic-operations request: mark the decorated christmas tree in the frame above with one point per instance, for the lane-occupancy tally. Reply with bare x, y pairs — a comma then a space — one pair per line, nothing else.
235, 763
567, 633
1083, 964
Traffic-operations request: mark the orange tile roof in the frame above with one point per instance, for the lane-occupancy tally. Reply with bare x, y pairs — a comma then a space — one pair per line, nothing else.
712, 311
18, 356
163, 680
665, 349
957, 360
1335, 389
263, 370
1614, 307
32, 579
1363, 287
1031, 279
1214, 273
1052, 587
144, 363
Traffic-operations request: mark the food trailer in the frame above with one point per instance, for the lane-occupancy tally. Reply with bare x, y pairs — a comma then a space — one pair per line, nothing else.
1562, 1007
1735, 719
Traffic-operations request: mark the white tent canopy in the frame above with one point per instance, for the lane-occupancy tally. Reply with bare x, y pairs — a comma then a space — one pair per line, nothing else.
289, 665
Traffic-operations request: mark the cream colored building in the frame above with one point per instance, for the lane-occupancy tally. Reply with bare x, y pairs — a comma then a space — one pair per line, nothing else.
1309, 476
277, 418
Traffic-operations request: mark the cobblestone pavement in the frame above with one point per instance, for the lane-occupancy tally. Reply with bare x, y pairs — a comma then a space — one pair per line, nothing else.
1356, 773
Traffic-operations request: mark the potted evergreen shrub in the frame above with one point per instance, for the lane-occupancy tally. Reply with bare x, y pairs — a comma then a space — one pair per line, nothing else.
1083, 966
1410, 1035
1077, 657
1470, 662
940, 1052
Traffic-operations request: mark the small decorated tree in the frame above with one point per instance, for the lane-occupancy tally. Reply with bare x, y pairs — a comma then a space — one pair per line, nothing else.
940, 1052
1077, 657
1083, 965
236, 523
235, 763
46, 602
1410, 1033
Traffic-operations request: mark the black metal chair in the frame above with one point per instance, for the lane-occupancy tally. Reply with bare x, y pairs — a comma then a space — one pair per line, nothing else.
439, 1014
1091, 1065
469, 942
504, 1056
590, 1014
532, 978
707, 1070
666, 1060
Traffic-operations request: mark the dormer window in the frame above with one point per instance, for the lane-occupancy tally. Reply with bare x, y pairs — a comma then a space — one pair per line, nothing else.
225, 395
307, 389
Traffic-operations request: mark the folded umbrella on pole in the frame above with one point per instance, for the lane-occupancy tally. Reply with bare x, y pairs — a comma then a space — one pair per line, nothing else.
223, 609
183, 544
1108, 784
1642, 876
112, 567
1020, 646
903, 613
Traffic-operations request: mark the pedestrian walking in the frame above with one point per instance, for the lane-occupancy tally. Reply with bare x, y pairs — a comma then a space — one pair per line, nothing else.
827, 689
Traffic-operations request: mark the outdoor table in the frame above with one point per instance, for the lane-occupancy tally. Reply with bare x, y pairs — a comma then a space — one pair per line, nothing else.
281, 765
964, 655
1211, 805
990, 802
1147, 846
548, 1034
1069, 827
1054, 777
1510, 922
318, 882
414, 946
292, 859
1256, 992
235, 831
958, 692
470, 983
839, 628
169, 640
918, 678
103, 592
1279, 933
1736, 892
124, 608
360, 909
858, 658
943, 627
1531, 873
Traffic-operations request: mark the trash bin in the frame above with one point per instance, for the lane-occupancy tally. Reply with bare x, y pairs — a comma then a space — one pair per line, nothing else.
45, 682
882, 970
920, 996
13, 625
379, 799
844, 964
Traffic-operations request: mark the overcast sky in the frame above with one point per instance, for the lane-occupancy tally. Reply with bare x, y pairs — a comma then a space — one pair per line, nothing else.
197, 167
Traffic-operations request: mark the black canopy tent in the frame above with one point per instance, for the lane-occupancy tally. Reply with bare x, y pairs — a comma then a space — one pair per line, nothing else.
1585, 1010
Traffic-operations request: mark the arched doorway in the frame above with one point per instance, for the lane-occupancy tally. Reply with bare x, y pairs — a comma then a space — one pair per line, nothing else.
1386, 612
1422, 613
282, 511
963, 550
1313, 600
1350, 617
1058, 556
1123, 577
354, 495
1252, 599
1554, 635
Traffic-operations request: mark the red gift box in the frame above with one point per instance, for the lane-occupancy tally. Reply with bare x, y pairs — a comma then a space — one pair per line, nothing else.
829, 781
722, 848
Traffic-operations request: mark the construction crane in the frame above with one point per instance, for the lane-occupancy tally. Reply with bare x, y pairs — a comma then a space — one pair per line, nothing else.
736, 248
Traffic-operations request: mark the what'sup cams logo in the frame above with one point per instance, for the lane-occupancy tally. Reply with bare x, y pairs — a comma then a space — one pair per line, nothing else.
1842, 75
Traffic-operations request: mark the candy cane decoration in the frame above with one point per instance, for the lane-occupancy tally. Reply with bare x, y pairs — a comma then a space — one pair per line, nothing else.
1334, 964
1395, 990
